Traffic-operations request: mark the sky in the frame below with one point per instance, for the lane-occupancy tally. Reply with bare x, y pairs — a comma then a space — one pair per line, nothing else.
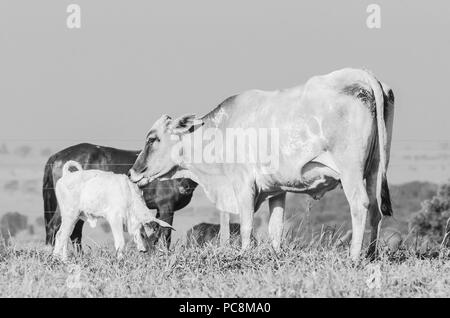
132, 61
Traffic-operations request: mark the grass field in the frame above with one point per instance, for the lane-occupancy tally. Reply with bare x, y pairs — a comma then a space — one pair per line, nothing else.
300, 270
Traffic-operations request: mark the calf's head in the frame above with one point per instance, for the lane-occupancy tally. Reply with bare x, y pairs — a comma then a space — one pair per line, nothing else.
146, 229
161, 151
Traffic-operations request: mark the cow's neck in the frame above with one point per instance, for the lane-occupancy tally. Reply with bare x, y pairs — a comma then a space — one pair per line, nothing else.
191, 166
209, 176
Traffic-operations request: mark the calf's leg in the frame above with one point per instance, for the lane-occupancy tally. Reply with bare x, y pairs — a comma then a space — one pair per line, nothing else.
52, 225
77, 235
63, 234
117, 231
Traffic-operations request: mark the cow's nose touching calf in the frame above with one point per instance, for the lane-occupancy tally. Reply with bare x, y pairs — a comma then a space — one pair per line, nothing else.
137, 178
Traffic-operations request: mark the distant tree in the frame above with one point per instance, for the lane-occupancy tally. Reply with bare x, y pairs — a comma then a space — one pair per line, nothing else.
11, 186
23, 151
40, 221
31, 229
30, 186
11, 223
432, 221
3, 149
46, 152
257, 223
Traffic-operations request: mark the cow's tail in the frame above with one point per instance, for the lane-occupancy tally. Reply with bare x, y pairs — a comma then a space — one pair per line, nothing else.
71, 164
382, 190
50, 202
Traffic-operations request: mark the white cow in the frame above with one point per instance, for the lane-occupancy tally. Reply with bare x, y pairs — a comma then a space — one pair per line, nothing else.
93, 194
336, 128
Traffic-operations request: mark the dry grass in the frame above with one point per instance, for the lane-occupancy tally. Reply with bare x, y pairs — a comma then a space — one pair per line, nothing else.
300, 270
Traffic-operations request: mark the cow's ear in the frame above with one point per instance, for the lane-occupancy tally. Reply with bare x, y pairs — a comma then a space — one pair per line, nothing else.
185, 124
164, 121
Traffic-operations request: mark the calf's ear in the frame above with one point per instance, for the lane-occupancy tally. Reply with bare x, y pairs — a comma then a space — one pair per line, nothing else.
161, 223
164, 224
185, 124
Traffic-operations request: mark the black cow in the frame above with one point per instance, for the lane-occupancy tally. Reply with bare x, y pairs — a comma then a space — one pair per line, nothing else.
165, 196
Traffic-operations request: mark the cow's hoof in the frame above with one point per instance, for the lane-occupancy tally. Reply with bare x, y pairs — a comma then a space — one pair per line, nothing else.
372, 254
392, 239
60, 258
276, 249
390, 235
119, 255
48, 249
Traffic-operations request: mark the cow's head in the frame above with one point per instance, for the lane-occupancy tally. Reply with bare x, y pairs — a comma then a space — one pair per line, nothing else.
161, 152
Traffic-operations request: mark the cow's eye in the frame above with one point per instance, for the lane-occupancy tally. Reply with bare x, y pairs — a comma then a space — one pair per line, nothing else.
151, 140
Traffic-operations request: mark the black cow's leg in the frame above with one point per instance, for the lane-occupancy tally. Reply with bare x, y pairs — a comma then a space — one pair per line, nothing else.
166, 215
52, 224
49, 233
153, 239
77, 234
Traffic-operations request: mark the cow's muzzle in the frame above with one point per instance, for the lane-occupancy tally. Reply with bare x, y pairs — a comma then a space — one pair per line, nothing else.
137, 177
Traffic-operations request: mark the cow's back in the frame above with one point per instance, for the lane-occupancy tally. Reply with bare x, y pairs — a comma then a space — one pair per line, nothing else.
94, 157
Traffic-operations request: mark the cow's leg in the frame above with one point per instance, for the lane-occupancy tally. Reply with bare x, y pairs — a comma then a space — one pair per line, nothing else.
246, 218
52, 224
49, 227
389, 231
52, 217
224, 228
62, 237
276, 208
77, 235
166, 213
154, 237
374, 213
247, 209
383, 225
356, 194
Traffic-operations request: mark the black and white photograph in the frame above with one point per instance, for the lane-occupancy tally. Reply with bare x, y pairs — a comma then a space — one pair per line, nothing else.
232, 151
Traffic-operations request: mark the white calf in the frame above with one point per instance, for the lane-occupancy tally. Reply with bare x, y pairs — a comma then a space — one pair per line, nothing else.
91, 194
